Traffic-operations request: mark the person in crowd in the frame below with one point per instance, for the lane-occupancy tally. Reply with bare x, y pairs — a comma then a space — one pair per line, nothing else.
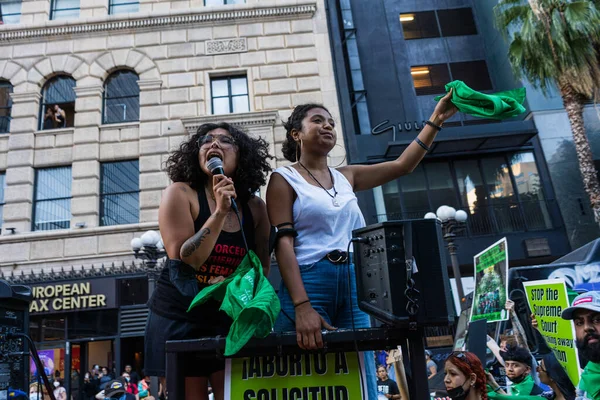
385, 386
198, 225
37, 391
49, 119
115, 390
129, 386
90, 388
464, 377
315, 210
60, 393
144, 388
60, 116
430, 364
585, 313
517, 361
135, 378
104, 376
553, 374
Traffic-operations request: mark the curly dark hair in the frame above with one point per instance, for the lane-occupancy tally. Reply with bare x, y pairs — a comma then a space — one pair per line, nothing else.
468, 363
295, 122
250, 174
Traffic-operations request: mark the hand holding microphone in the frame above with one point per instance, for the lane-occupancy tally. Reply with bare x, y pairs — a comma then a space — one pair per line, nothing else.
223, 188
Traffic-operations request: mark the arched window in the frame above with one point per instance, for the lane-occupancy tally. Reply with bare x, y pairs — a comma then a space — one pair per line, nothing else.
58, 103
5, 106
121, 98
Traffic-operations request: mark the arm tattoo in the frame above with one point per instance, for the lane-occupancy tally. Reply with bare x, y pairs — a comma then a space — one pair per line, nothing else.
193, 243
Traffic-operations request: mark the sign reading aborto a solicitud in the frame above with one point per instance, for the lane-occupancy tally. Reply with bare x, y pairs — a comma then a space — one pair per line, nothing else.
326, 376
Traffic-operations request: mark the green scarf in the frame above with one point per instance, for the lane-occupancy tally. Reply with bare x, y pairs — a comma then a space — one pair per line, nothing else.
492, 395
499, 105
523, 388
590, 380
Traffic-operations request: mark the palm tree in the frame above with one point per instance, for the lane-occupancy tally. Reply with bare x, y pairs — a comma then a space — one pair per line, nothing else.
555, 43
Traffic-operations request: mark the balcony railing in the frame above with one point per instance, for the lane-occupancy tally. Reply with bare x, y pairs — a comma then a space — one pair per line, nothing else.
495, 218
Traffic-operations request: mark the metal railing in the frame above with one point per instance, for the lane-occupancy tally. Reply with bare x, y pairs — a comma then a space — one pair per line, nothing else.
495, 218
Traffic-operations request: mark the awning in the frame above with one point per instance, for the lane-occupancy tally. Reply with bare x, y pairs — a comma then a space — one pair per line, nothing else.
474, 138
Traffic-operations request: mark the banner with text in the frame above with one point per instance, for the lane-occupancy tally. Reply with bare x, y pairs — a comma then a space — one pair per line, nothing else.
546, 300
491, 291
331, 376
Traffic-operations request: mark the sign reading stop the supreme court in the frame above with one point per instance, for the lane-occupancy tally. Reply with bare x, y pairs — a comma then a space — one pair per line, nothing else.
91, 294
326, 376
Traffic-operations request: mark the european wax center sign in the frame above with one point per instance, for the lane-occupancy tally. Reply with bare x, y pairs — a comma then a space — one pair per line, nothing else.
73, 296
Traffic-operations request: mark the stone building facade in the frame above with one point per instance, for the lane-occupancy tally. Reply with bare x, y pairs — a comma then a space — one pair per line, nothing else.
176, 49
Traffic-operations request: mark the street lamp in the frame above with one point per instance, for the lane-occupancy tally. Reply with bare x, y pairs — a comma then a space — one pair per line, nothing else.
453, 222
150, 248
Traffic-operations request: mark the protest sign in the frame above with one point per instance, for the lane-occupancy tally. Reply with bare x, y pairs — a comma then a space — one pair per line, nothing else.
491, 292
326, 376
546, 300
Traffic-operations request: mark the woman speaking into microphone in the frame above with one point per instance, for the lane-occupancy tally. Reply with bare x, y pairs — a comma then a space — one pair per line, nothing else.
315, 210
204, 243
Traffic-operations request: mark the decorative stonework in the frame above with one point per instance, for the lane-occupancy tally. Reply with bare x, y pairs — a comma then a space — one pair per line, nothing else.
247, 121
172, 18
225, 46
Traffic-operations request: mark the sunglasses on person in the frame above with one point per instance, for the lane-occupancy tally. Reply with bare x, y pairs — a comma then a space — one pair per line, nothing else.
463, 357
224, 140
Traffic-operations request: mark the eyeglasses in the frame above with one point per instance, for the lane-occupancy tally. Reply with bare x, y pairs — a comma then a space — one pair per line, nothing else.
224, 140
463, 357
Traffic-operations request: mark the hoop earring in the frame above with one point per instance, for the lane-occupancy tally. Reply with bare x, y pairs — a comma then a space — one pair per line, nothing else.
344, 160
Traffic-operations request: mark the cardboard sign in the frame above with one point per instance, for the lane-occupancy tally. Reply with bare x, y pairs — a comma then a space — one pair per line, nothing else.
547, 299
331, 376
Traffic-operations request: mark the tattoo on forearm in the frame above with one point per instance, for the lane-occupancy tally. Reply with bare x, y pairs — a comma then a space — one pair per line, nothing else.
193, 243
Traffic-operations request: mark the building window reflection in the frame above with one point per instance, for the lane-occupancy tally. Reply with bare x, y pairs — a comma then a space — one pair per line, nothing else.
52, 199
500, 193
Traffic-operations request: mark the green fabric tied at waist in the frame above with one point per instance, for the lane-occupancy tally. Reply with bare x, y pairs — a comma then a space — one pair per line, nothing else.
499, 105
248, 298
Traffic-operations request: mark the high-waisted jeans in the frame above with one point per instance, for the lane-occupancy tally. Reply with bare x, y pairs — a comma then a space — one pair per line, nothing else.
326, 285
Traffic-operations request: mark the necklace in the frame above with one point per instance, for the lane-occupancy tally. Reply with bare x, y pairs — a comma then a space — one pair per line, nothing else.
334, 196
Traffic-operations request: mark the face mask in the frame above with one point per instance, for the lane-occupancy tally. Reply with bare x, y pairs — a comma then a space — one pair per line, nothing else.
519, 379
56, 384
34, 396
127, 379
458, 393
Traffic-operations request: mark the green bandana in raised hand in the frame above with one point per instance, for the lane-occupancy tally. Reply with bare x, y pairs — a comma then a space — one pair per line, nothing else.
590, 380
499, 105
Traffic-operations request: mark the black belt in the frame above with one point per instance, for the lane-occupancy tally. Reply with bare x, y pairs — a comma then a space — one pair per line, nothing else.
337, 257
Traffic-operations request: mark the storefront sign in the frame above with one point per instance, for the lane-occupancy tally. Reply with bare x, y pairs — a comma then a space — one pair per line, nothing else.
73, 296
331, 376
547, 299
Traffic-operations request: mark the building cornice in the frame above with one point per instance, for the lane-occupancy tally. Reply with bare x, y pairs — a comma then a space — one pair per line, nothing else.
248, 121
212, 16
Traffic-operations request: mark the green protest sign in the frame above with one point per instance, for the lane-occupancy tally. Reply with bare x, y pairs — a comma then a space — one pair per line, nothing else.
318, 376
491, 292
547, 299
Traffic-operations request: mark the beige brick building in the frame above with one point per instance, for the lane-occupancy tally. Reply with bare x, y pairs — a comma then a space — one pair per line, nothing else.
190, 61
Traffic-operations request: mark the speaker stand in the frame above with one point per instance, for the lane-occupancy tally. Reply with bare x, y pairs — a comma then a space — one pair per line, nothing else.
419, 385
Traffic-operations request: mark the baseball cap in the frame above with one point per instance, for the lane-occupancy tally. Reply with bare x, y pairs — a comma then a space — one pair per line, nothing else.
587, 301
114, 387
427, 352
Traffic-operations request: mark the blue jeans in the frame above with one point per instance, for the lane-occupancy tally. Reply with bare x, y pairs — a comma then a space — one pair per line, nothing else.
326, 285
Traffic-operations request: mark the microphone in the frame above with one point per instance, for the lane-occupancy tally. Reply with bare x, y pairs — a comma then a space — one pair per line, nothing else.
215, 166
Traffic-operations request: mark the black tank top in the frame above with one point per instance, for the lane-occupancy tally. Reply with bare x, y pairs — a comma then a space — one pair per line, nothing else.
225, 257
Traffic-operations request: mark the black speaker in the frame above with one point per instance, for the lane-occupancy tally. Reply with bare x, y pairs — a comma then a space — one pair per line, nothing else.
380, 257
14, 319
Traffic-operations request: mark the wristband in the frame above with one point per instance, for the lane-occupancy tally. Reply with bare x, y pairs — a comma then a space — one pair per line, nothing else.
423, 145
431, 124
302, 302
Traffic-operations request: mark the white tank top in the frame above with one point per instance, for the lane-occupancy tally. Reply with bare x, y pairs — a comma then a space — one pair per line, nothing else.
322, 227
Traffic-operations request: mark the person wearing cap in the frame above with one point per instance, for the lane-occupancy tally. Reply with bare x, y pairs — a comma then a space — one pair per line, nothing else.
585, 313
431, 365
115, 390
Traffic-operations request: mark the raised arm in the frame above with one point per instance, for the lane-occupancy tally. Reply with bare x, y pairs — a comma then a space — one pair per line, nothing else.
518, 328
364, 177
280, 200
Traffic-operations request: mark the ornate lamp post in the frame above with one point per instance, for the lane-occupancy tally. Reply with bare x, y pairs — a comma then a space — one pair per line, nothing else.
149, 247
453, 222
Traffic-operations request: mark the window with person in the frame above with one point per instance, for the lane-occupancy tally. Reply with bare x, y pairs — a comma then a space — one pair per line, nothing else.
64, 9
58, 103
119, 193
121, 97
10, 11
229, 94
52, 199
5, 106
123, 6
